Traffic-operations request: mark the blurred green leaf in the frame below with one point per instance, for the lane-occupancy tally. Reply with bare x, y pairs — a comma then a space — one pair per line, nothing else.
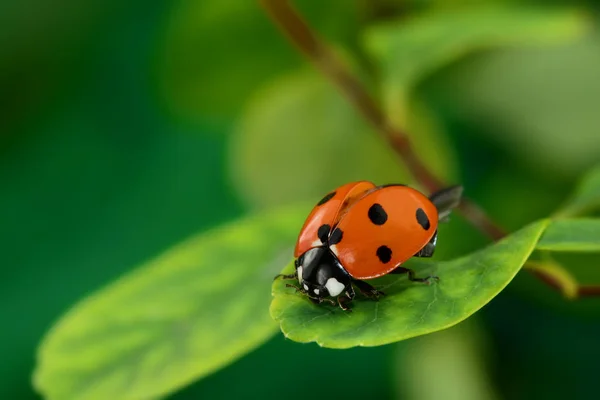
430, 141
216, 53
581, 234
448, 365
407, 50
195, 309
538, 105
514, 197
298, 139
586, 196
466, 284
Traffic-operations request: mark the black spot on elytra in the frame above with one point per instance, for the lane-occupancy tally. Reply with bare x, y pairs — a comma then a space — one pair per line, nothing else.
422, 219
323, 232
336, 236
326, 198
384, 254
377, 214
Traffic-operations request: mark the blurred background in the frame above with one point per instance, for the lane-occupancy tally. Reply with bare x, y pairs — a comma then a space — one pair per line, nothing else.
128, 126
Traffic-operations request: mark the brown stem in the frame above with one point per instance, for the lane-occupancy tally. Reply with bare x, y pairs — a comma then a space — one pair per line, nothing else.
300, 34
323, 58
582, 290
547, 279
589, 291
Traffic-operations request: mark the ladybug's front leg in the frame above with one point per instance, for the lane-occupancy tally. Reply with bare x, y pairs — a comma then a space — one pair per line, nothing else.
368, 290
316, 300
289, 276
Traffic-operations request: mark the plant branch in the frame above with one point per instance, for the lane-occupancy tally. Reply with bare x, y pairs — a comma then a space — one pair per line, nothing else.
554, 283
292, 24
589, 291
301, 35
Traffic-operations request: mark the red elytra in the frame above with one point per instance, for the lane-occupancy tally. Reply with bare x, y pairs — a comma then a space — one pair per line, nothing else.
371, 229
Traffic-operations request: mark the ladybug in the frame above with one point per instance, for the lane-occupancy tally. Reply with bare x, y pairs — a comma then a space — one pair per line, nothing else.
361, 231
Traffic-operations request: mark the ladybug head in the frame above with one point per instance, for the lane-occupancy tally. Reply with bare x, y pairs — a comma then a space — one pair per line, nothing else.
320, 273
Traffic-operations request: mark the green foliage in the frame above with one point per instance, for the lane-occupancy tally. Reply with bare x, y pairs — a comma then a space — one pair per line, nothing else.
537, 105
564, 240
320, 143
204, 304
194, 309
455, 359
408, 50
582, 234
586, 197
408, 309
313, 130
201, 75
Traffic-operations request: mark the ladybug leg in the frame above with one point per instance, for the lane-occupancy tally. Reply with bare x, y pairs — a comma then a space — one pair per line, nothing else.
350, 292
316, 300
429, 248
319, 300
289, 276
344, 303
368, 290
411, 275
295, 287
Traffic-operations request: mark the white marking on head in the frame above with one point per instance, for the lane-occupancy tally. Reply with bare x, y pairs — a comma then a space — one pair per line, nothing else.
317, 243
299, 273
334, 249
309, 256
316, 291
334, 287
305, 286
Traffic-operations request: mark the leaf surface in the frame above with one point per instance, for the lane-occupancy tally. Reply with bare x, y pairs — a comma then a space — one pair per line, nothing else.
408, 309
408, 50
194, 309
586, 197
576, 235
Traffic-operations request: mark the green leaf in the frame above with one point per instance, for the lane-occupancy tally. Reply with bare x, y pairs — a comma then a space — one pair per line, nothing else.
586, 197
409, 309
299, 138
191, 311
581, 234
408, 50
547, 121
457, 358
430, 141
